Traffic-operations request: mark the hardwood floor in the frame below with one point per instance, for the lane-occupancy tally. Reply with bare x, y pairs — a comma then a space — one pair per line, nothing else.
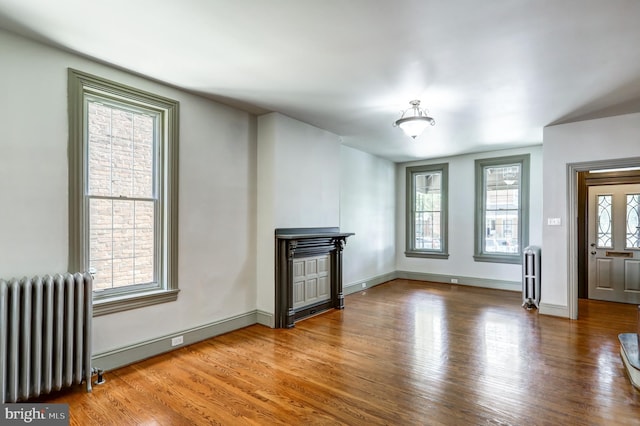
402, 353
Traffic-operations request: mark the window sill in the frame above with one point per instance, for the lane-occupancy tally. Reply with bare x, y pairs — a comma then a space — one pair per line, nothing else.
426, 255
125, 303
516, 260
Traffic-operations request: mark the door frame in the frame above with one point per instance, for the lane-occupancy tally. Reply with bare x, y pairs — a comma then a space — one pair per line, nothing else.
579, 177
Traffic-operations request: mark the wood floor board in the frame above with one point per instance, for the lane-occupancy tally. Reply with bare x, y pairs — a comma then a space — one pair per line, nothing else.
401, 353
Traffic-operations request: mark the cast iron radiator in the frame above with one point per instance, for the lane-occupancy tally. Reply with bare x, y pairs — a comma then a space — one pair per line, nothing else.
531, 277
45, 335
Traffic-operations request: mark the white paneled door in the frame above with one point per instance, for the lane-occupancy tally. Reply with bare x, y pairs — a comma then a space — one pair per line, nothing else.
614, 243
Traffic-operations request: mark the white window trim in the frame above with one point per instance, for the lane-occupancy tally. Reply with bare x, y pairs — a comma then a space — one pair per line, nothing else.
81, 85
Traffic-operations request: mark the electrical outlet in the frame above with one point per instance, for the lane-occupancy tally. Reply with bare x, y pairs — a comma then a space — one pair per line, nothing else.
177, 341
454, 281
364, 285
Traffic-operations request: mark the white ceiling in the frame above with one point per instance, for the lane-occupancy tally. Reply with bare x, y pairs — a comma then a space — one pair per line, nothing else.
492, 73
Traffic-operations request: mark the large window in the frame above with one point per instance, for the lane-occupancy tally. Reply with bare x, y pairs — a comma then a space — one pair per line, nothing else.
427, 211
502, 205
123, 201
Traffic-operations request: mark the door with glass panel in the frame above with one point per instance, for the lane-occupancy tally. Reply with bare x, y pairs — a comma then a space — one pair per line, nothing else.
614, 243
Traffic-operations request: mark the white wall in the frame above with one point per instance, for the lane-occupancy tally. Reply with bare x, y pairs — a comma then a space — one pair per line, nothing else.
298, 187
367, 207
217, 221
585, 141
461, 219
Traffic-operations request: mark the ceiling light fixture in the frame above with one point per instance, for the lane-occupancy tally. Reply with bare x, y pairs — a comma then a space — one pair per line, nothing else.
414, 120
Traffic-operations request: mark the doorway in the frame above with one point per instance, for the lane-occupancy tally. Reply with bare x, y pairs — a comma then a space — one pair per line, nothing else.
607, 235
613, 272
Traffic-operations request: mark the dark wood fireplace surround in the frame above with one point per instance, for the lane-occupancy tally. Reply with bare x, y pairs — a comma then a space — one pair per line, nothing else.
292, 243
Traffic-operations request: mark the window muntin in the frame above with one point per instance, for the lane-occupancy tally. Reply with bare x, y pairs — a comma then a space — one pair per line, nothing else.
123, 192
501, 208
427, 211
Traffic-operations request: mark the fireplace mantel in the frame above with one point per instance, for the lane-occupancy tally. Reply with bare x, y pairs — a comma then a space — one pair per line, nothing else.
299, 243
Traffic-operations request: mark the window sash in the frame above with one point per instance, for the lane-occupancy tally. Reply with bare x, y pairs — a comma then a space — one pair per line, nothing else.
427, 211
156, 198
502, 188
135, 286
502, 206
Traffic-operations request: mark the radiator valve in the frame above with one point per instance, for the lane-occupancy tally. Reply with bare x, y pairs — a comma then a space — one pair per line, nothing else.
100, 373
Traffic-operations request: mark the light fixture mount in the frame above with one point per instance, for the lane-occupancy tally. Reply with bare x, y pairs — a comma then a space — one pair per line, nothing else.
414, 120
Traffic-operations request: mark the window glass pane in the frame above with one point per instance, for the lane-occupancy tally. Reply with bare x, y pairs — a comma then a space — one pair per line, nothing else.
121, 168
122, 272
143, 156
99, 171
633, 221
604, 221
102, 270
143, 270
144, 249
428, 209
101, 242
99, 149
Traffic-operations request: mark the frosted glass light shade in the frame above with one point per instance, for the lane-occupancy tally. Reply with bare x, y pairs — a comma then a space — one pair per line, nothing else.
414, 126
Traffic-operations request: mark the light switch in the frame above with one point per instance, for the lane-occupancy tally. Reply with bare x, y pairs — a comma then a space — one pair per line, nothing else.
554, 221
